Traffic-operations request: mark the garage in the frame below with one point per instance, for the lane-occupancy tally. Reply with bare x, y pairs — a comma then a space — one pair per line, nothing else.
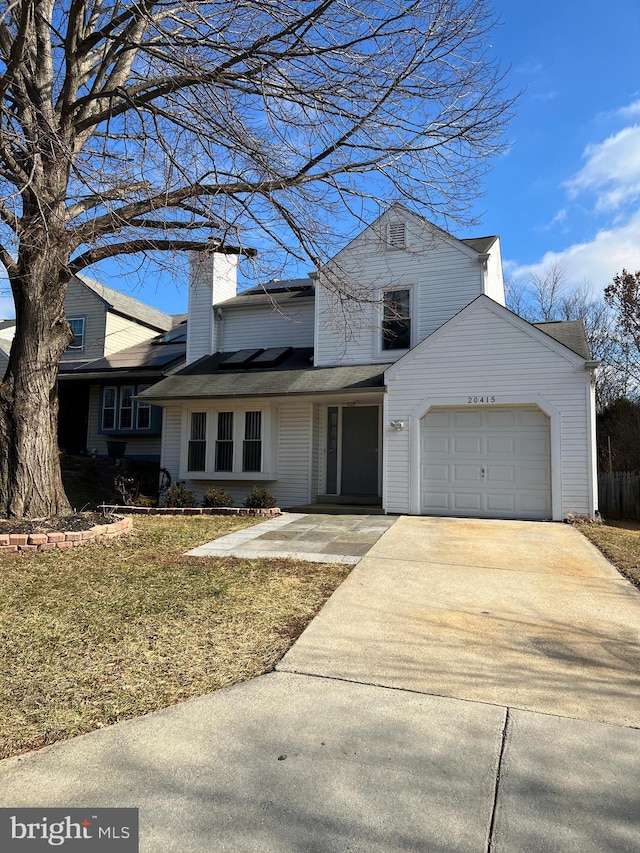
493, 462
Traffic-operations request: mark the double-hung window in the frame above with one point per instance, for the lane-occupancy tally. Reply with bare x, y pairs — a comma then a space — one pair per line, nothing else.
109, 403
143, 411
77, 327
224, 442
396, 319
120, 412
197, 442
252, 444
125, 420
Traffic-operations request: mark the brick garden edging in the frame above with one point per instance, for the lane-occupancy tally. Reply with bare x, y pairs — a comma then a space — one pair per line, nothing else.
70, 539
272, 512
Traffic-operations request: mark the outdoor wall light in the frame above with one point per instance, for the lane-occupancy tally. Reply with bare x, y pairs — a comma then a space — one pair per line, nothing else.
397, 425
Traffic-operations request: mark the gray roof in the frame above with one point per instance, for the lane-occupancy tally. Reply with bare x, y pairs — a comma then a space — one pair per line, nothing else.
480, 244
128, 306
149, 357
293, 375
571, 333
7, 324
271, 298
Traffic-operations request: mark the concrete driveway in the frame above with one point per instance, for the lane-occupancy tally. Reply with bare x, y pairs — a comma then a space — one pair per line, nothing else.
471, 688
518, 614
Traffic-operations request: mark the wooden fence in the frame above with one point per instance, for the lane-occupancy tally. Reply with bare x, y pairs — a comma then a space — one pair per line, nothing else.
619, 495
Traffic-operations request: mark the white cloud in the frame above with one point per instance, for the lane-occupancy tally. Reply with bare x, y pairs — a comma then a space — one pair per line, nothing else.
612, 170
558, 219
630, 111
596, 261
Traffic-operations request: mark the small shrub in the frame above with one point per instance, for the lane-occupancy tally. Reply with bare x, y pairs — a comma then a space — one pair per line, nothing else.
259, 498
217, 497
178, 495
145, 500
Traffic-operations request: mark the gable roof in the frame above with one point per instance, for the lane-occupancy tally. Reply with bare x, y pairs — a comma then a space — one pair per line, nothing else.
571, 333
127, 306
206, 378
554, 341
480, 244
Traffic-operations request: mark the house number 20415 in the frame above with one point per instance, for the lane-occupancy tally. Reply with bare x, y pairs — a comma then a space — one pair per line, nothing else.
486, 399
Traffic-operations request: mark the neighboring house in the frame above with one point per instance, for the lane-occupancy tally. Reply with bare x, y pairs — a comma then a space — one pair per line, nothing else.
121, 346
7, 331
414, 388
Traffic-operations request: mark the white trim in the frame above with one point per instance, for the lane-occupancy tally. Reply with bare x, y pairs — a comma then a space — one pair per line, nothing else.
510, 400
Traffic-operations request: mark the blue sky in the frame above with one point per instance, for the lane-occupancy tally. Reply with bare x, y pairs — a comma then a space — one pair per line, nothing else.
568, 189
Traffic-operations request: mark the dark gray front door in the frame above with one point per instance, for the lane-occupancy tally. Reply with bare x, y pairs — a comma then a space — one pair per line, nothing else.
360, 450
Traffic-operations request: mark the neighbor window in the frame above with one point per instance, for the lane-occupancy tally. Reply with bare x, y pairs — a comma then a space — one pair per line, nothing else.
77, 327
121, 412
126, 407
143, 411
198, 442
396, 319
109, 397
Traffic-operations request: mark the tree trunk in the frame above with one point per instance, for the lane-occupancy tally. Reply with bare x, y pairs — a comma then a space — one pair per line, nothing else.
30, 479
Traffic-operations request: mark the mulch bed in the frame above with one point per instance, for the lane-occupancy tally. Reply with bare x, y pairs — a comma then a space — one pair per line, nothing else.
62, 524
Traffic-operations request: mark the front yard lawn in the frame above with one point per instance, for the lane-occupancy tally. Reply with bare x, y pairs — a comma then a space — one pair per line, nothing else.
93, 635
619, 541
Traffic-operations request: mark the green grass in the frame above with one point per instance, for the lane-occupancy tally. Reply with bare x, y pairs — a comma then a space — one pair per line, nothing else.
619, 541
98, 634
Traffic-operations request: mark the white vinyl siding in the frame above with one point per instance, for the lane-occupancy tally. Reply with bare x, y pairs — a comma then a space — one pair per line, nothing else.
266, 326
294, 449
482, 353
445, 275
121, 333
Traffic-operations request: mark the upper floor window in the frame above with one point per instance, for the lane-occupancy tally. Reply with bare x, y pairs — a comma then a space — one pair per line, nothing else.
77, 327
396, 319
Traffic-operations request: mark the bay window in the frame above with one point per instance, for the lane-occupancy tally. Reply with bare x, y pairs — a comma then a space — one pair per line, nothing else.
237, 440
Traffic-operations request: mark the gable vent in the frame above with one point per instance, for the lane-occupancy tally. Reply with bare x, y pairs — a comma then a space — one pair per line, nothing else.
396, 235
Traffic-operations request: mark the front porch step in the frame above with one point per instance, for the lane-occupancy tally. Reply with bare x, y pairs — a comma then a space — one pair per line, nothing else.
350, 500
336, 509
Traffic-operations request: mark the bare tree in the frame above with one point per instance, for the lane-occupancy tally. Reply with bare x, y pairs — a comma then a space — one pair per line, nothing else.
135, 125
548, 296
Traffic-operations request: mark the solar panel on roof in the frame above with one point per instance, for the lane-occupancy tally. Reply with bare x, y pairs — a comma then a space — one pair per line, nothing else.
271, 357
239, 359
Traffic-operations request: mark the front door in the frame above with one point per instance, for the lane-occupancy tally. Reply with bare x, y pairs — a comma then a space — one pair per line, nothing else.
359, 450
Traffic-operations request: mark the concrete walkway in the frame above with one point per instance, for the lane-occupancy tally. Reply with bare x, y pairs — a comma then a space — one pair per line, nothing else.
526, 633
311, 537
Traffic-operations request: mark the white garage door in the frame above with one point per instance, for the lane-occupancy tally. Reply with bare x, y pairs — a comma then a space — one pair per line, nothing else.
486, 462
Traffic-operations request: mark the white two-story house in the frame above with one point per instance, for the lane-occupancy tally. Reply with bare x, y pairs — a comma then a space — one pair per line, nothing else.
393, 376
